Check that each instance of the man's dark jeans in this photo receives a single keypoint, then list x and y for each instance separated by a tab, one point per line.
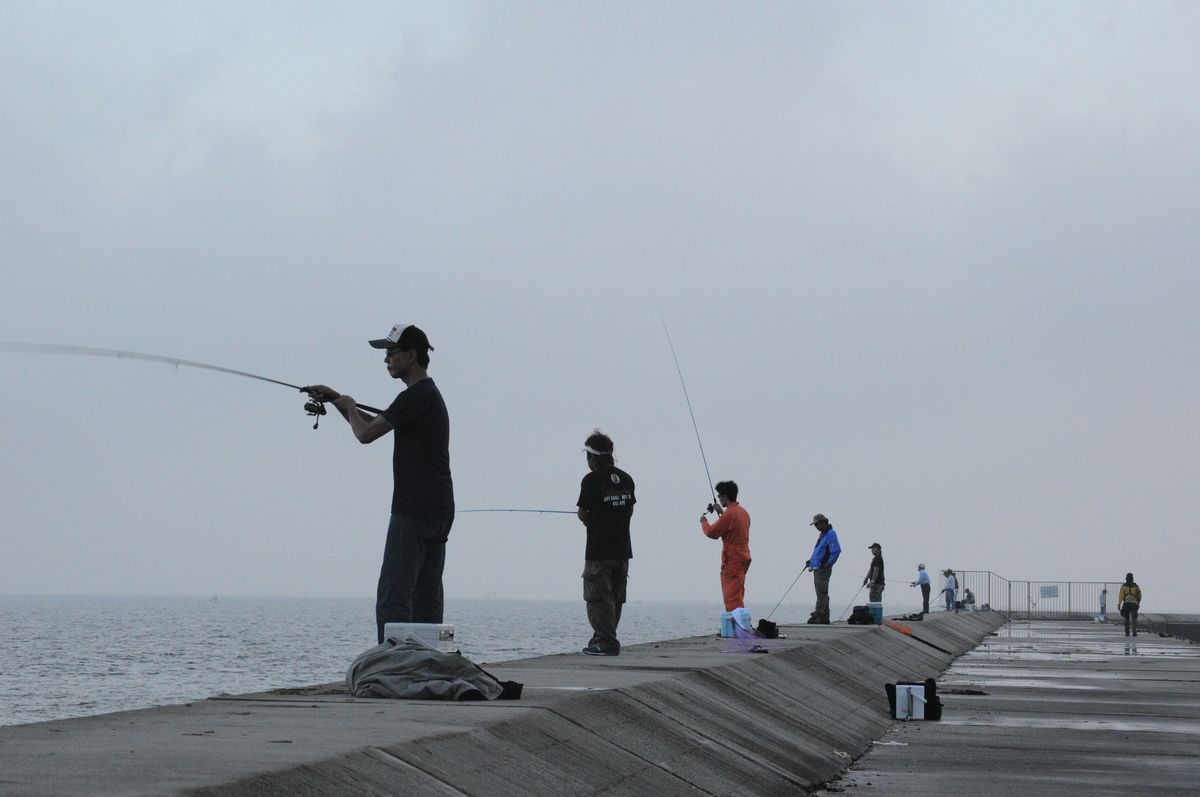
604	590
410	581
1130	612
821	577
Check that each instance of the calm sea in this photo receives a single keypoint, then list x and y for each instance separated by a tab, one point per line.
74	656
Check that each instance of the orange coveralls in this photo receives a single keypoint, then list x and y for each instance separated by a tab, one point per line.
733	529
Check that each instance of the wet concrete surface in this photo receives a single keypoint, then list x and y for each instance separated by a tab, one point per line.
1050	707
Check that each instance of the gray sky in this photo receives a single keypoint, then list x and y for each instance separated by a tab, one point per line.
930	269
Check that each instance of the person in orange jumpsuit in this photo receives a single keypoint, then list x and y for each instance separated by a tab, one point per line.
733	530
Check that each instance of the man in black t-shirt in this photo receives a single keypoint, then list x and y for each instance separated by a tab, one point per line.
410	580
605	504
874	575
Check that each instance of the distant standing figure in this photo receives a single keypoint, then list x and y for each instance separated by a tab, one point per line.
951	590
1129	600
733	530
824	555
606	499
874	575
410	580
922	582
1103	616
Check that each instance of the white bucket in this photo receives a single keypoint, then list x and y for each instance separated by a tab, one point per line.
435	635
727	624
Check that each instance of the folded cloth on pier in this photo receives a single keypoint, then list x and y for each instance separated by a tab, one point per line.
409	669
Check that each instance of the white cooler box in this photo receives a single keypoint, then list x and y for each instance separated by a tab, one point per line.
910	701
436	635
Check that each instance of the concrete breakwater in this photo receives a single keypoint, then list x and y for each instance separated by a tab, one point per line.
1183	626
687	716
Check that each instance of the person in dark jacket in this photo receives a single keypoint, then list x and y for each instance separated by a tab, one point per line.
874	575
605	505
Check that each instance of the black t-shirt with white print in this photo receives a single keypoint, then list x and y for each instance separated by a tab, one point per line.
607	494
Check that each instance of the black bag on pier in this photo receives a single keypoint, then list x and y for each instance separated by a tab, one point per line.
860	615
768	629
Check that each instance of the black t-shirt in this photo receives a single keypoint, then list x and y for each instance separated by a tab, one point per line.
877	566
607	494
421	456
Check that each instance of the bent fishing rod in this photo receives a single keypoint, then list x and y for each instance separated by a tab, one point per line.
715	506
312	406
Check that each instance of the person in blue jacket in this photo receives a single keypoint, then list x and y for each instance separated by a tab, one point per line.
825	554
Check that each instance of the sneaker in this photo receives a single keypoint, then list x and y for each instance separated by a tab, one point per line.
596	650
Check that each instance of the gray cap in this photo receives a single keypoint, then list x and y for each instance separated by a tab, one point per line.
818	518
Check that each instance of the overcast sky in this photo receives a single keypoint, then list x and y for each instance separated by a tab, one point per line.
929	268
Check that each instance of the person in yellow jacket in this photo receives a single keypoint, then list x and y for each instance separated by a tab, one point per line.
1129	599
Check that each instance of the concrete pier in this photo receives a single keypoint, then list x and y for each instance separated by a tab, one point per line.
689	716
1053	707
1033	707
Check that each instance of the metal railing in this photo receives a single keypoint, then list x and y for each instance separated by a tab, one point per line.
1036	599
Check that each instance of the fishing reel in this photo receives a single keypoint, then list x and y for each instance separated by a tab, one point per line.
316	409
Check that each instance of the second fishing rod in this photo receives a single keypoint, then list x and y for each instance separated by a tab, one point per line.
731	586
715	506
732	527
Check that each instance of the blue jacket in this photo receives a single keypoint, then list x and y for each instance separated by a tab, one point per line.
826	551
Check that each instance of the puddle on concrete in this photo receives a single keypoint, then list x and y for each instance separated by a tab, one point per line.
1029	683
1056	723
1084	650
1002	672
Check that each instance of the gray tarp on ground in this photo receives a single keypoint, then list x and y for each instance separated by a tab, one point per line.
409	669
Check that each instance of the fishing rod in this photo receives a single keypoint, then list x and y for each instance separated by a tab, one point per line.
860	589
312	406
789	589
715	506
538	511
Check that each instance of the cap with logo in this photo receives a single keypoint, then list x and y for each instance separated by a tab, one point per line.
405	337
819	519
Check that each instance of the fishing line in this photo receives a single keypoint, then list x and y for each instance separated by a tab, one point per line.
312	407
687	398
538	511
